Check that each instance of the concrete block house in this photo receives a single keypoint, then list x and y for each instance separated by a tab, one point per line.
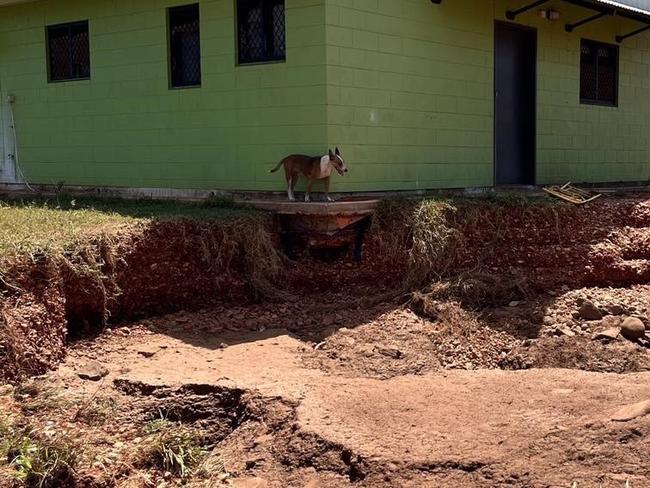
418	94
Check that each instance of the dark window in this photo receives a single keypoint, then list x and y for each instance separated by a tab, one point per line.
68	49
260	31
184	46
598	73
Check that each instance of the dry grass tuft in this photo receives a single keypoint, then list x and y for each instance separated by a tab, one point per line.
478	289
419	234
450	316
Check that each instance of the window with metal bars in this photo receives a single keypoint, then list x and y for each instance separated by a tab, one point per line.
184	46
68	48
260	31
598	73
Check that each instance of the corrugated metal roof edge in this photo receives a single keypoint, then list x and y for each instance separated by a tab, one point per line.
625	6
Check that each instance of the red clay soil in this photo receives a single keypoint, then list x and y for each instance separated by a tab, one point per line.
137	271
606	243
181	265
32	319
334	387
270	421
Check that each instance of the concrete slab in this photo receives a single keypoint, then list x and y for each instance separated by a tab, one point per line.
342	207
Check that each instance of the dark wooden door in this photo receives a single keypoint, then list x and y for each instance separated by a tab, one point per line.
515	59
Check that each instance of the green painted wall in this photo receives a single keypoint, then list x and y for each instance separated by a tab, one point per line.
403	87
410	95
125	127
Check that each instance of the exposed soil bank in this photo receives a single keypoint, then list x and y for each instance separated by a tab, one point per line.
135	271
138	271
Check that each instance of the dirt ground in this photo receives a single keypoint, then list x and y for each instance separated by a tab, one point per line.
330	388
381	397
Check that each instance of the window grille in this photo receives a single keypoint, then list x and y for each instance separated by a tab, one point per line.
68	51
598	73
184	46
260	31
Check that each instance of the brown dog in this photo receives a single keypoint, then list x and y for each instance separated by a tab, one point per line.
314	168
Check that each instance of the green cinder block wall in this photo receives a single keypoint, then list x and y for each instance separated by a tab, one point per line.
403	87
125	127
410	95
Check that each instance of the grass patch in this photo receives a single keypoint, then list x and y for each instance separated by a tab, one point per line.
42	225
6	436
40	464
38	396
173	447
96	411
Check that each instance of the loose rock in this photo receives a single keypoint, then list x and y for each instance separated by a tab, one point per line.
615	309
93	371
589	311
610	334
632	328
631	412
147	352
391	352
564	330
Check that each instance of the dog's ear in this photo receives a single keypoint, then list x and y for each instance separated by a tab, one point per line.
331	154
338	153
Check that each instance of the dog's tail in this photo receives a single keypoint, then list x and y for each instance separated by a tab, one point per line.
277	167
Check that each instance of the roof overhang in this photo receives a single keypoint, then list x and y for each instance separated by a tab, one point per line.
638	10
641	7
632	9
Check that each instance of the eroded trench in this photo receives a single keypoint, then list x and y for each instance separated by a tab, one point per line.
545	260
524	286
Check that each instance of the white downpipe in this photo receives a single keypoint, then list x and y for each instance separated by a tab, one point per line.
10	101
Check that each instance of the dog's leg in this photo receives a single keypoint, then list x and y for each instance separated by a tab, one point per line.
294	181
290	188
310	182
327	190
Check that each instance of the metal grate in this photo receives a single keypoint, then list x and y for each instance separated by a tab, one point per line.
598	73
69	51
185	46
261	31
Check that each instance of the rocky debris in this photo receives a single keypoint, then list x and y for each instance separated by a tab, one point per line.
633	328
6	390
92	370
631	412
610	334
589	311
400	342
564	330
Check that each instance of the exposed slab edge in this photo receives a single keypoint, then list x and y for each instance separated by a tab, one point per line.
344	207
240	196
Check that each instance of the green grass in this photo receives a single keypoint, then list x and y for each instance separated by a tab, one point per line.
44	464
173	447
28	226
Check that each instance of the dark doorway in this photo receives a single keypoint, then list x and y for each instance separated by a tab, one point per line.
515	59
